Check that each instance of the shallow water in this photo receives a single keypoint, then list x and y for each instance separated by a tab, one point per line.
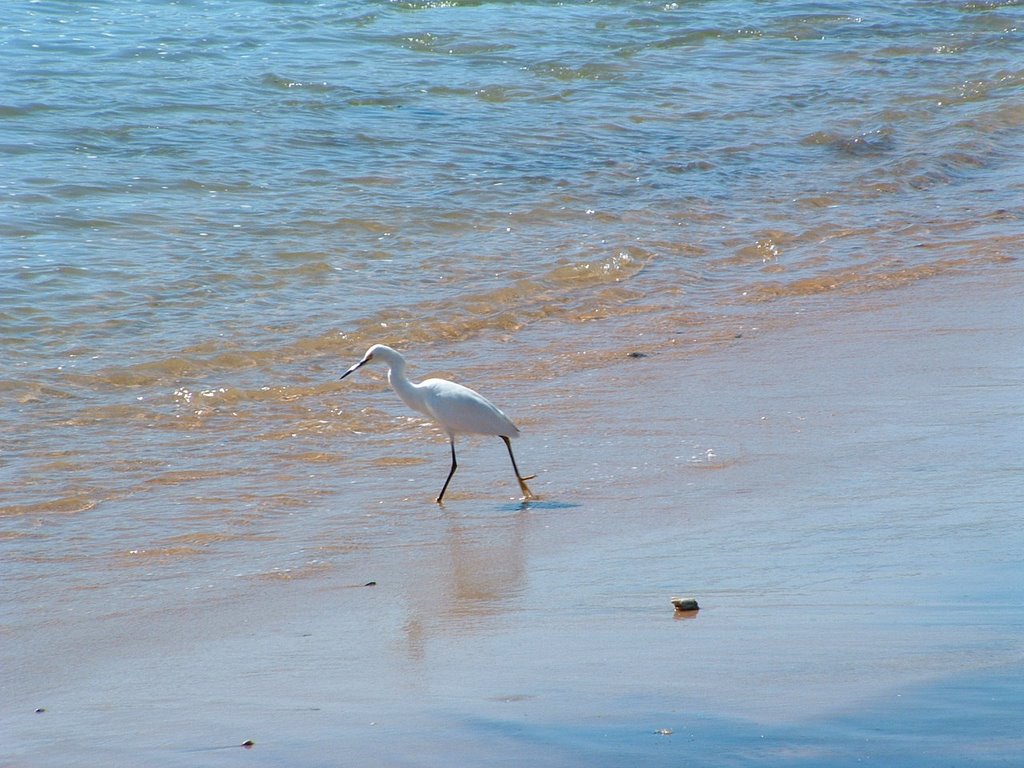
841	495
210	210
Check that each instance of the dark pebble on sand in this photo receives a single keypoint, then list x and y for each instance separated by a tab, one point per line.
685	604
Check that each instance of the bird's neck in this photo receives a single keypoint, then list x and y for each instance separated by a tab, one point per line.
404	388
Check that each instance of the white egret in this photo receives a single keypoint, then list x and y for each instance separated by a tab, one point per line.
457	409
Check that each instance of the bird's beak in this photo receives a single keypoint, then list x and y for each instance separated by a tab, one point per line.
356	367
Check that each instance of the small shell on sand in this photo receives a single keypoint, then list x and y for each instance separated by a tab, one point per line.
685	604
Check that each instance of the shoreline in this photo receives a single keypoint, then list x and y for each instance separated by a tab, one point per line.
840	496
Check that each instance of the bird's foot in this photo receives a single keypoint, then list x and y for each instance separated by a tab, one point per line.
527	493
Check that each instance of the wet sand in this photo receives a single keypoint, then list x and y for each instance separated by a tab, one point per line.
842	493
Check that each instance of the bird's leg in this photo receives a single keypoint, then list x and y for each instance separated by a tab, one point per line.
455	466
522	480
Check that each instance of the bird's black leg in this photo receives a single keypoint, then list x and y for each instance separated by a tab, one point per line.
522	480
455	466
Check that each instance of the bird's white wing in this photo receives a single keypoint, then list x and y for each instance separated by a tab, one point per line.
460	410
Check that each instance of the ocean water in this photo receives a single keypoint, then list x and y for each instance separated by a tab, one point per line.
209	210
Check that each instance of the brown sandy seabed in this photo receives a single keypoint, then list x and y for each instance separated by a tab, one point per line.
842	495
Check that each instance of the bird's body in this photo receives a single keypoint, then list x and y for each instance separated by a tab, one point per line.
457	409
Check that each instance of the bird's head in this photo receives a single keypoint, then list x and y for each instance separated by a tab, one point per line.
377	353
